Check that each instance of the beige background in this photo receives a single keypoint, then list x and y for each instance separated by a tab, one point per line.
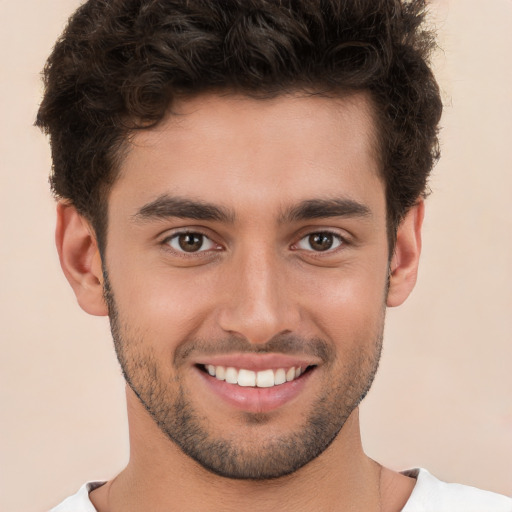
442	399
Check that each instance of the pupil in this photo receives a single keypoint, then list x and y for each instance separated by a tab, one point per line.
321	241
190	242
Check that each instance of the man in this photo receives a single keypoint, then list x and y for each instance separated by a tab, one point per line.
241	188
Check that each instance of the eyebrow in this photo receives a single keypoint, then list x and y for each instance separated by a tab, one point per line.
167	206
325	208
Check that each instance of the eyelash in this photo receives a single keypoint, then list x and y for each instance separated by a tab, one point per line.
175	237
340	240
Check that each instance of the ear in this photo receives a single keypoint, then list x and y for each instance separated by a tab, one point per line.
403	269
80	259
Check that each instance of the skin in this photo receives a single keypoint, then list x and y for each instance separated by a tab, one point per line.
258	280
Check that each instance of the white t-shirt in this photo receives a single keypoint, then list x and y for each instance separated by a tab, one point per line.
429	495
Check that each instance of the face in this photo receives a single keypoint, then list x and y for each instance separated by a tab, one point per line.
246	271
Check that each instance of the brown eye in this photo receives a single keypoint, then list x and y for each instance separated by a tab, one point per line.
190	242
320	242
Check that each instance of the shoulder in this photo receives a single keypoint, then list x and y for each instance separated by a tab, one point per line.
433	495
80	501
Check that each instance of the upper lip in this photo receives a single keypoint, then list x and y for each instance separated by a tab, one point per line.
258	362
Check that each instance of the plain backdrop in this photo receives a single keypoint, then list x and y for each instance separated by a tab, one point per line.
442	399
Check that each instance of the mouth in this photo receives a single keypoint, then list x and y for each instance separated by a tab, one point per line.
266	378
255	384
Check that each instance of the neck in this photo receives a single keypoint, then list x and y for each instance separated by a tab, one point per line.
160	477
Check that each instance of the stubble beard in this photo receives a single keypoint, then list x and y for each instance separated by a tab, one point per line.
172	410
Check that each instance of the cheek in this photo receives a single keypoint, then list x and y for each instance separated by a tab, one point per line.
164	307
348	304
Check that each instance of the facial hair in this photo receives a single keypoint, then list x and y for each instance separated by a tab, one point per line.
168	402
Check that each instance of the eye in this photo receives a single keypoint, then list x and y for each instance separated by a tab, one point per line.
320	242
190	242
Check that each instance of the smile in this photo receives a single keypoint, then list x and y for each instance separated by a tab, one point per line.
260	379
256	383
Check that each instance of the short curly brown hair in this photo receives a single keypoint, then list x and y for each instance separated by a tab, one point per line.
119	65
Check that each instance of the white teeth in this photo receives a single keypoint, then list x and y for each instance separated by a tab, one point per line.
248	378
231	375
264	379
280	377
220	372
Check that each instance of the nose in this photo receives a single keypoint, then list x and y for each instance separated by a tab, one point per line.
260	302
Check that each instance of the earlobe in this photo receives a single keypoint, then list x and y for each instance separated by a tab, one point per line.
80	258
404	263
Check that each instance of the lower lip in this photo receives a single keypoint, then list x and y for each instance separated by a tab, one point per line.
252	399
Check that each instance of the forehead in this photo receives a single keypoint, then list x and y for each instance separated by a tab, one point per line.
237	150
